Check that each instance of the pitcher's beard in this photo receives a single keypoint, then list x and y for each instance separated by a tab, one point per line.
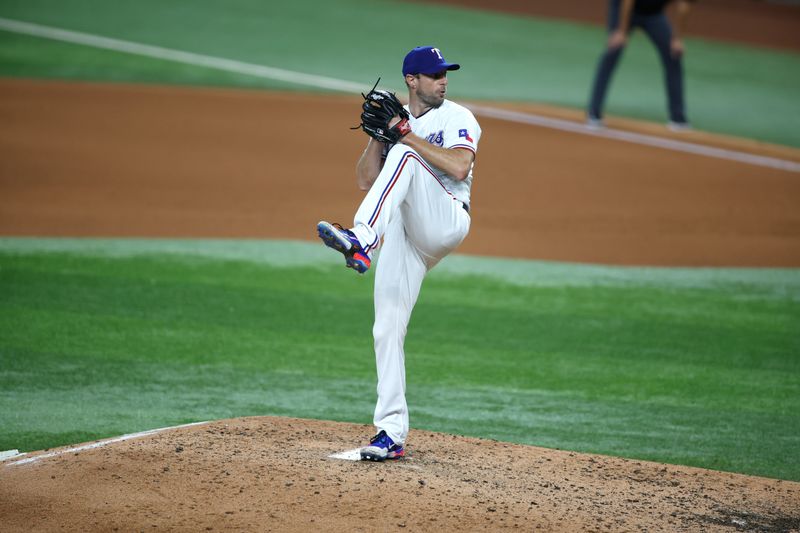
431	100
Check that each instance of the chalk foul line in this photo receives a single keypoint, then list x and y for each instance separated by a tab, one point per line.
637	138
179	56
324	82
93	445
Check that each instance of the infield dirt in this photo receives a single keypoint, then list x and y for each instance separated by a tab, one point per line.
84	159
275	474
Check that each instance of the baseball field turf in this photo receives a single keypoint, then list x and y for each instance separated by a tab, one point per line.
690	366
687	366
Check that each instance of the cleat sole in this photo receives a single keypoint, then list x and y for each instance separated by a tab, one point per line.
354	258
331	240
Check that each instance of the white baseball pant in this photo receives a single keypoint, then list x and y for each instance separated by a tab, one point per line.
420	222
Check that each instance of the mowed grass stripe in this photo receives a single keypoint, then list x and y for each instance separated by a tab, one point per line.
553	61
783	282
104	337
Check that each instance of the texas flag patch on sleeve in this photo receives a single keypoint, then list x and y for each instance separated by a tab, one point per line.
464	133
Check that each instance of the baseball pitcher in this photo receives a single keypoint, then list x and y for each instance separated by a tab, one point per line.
417	171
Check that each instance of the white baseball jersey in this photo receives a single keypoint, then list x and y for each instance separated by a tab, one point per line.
450	126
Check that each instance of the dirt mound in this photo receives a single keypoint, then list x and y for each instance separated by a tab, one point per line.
276	474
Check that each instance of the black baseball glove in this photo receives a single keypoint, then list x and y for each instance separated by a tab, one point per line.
379	109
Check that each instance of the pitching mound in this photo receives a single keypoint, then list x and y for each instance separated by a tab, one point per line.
276	474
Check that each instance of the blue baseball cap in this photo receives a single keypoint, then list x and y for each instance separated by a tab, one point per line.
426	60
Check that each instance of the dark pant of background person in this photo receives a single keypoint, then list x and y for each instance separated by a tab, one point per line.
659	31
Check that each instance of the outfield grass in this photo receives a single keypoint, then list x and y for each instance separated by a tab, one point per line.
696	367
738	90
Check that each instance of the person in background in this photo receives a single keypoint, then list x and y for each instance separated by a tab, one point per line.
650	16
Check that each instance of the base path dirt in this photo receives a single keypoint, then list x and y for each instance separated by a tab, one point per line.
275	474
120	160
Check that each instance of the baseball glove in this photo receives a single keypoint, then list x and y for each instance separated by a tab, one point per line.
379	110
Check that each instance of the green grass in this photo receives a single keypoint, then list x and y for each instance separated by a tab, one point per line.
23	56
731	89
696	367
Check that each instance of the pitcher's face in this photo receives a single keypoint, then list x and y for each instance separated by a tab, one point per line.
430	89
